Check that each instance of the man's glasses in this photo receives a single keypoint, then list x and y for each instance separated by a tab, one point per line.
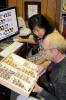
48	49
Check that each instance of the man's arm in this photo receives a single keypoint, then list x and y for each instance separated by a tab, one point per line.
60	92
41	60
43	67
46	95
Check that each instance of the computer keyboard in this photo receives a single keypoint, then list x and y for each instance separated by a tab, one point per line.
8	41
11	48
3	45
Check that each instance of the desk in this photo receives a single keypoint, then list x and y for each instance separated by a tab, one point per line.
5	92
15	52
1	56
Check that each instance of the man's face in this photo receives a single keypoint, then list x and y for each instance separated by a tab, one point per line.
48	51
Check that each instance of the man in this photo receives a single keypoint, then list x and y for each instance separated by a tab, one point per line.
54	50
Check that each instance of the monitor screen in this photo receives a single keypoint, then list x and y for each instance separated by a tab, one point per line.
8	23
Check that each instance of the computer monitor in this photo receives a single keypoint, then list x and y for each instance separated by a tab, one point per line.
8	23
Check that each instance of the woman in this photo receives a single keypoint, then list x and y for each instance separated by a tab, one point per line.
40	27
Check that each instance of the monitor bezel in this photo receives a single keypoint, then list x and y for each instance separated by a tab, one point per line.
4	9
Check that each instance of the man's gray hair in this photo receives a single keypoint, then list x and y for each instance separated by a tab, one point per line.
56	40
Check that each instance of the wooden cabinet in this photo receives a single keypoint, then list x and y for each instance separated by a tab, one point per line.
18	4
49	8
63	18
52	9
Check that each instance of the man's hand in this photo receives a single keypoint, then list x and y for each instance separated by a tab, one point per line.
37	89
43	67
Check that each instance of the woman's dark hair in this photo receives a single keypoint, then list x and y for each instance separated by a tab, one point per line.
42	22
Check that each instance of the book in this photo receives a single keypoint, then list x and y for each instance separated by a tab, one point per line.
18	74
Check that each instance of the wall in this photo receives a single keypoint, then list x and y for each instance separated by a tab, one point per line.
49	8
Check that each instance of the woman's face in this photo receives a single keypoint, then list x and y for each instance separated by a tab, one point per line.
39	31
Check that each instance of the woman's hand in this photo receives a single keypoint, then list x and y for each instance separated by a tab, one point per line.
19	39
37	89
24	40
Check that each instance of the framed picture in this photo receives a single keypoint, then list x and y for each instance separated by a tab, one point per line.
32	8
64	5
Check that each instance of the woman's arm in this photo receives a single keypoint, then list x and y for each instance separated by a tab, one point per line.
28	40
